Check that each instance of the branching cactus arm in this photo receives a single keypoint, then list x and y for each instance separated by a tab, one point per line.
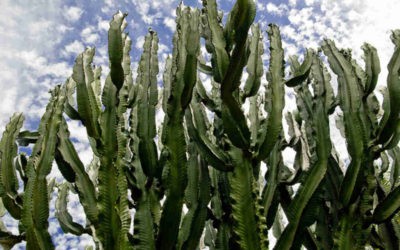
235	125
148	97
275	76
350	102
35	211
183	76
8	175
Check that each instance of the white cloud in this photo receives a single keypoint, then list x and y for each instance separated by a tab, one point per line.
292	3
80	141
276	9
89	35
103	25
40	65
349	23
139	42
170	23
73	13
73	48
162	48
108	6
309	2
27	51
151	11
63	28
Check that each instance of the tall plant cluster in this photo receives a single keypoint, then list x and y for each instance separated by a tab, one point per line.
197	179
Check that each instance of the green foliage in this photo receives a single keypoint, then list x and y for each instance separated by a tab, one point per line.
198	179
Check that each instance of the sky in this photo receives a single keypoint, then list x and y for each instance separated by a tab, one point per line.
39	40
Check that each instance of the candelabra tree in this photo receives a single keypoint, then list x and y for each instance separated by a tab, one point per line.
213	174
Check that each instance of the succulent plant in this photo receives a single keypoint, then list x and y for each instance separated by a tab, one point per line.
197	179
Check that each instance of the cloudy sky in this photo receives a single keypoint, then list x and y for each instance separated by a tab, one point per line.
39	40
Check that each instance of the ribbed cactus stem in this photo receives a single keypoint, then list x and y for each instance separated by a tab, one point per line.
183	77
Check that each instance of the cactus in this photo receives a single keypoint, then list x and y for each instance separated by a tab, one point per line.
197	179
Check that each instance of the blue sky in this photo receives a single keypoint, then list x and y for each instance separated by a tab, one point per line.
39	40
